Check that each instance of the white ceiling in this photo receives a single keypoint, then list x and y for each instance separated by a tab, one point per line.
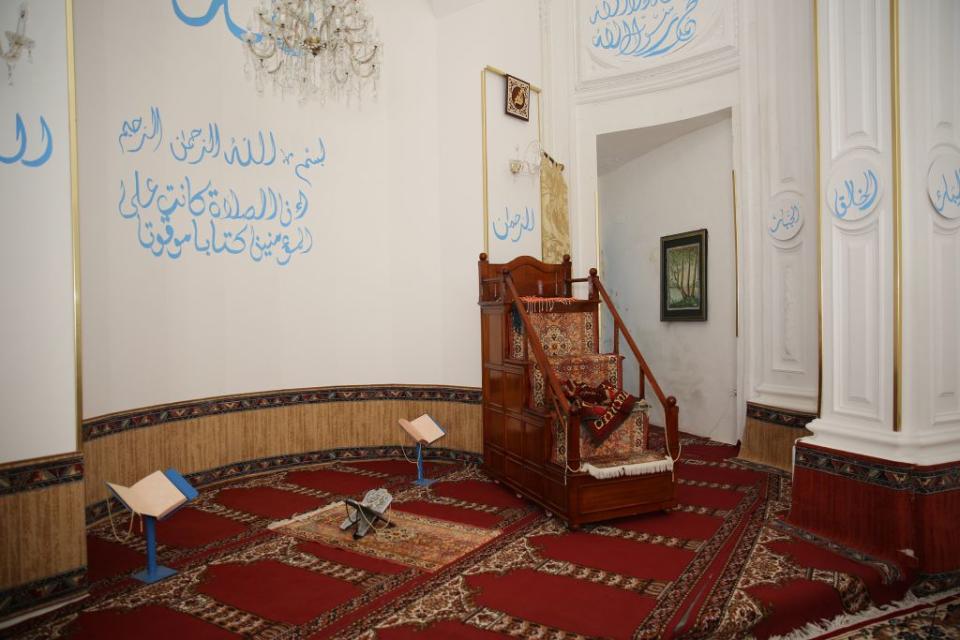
620	147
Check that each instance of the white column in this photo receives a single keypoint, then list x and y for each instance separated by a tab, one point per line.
930	134
858	230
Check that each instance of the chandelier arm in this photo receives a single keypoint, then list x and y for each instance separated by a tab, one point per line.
315	46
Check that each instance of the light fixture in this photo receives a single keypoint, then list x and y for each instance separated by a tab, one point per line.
314	47
529	164
18	43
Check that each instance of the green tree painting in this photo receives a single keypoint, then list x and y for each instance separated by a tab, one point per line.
683	277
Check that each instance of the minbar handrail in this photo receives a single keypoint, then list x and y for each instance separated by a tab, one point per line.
670	409
537	346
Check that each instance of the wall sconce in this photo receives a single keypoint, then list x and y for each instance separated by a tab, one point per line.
19	42
529	163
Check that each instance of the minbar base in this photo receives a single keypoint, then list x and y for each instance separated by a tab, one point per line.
880	506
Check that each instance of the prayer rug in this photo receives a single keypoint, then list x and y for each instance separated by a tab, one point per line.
413	540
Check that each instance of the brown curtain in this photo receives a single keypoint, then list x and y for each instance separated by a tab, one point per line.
556	218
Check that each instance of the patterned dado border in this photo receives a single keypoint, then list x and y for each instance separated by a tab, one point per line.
32	595
782	417
98	510
880	473
30	475
151	416
930	583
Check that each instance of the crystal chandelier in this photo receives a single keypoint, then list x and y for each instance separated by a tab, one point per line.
314	47
18	43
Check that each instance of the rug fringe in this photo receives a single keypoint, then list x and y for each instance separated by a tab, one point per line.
637	469
303	516
813	630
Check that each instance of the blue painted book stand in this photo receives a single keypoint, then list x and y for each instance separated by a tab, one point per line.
156	572
421	480
424	430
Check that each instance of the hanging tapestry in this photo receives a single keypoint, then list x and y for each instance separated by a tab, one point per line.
555	218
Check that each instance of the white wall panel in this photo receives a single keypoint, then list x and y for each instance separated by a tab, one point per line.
37	372
931	223
781	252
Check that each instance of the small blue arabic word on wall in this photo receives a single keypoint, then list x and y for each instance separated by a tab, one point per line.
858	196
511	226
40	153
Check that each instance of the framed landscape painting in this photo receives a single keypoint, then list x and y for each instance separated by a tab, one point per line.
683	276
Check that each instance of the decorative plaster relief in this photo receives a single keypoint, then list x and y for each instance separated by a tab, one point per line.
943	185
624	37
643	28
785	218
854	189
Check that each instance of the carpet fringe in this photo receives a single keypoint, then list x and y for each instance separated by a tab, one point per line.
303	516
637	469
813	630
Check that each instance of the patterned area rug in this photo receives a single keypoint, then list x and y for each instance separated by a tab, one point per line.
720	565
413	540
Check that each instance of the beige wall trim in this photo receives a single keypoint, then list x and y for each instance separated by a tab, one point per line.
42	545
199	437
98	510
119	422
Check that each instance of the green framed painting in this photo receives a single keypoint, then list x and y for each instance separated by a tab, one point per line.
683	276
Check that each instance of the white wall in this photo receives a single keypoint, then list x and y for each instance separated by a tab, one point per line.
502	34
388	292
680	186
37	379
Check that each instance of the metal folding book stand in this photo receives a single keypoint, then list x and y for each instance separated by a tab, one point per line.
365	515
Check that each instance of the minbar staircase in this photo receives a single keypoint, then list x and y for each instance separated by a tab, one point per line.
535	336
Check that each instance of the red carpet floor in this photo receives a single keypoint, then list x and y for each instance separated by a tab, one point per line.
720	565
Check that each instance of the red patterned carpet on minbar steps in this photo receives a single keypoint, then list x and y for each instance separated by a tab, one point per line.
720	565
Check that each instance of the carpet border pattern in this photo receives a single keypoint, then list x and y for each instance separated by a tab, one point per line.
31	475
98	510
114	423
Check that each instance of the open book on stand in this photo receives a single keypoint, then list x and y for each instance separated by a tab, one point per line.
423	430
157	495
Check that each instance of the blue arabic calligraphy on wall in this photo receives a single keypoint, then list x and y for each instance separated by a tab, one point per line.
785	221
513	225
860	197
212	11
20	150
643	28
210	218
947	195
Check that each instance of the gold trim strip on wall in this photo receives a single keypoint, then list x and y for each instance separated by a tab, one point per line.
483	132
736	260
818	208
483	142
596	231
897	213
74	220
